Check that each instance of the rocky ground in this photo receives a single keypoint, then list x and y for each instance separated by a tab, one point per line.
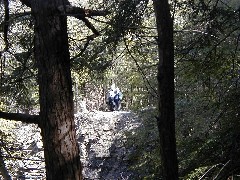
104	146
102	139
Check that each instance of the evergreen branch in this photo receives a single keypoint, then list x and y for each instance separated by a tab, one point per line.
141	71
21	14
120	55
26	118
125	27
101	21
89	38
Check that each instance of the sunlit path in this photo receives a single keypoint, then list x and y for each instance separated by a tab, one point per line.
102	142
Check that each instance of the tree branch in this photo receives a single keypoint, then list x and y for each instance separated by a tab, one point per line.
20	158
90	26
141	71
89	38
81	14
228	169
26	118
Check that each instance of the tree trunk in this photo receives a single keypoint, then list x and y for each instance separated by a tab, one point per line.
3	169
166	119
55	90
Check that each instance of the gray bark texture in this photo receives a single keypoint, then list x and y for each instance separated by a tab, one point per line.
55	90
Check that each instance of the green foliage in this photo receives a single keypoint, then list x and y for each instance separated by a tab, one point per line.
127	18
208	151
207	77
18	73
145	159
119	55
18	81
196	174
91	58
207	80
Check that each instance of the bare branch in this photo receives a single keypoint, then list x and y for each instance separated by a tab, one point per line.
210	170
81	14
20	158
26	118
228	169
90	26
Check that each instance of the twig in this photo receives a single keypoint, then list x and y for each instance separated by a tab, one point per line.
89	38
225	165
209	170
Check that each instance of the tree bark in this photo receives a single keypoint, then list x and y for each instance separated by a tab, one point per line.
55	90
165	77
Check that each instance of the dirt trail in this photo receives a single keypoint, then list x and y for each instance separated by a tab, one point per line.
102	140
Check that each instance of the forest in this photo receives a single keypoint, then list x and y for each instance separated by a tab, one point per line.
177	63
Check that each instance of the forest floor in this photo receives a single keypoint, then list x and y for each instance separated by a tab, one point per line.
109	143
103	143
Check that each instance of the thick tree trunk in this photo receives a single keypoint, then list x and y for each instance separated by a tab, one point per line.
55	90
166	119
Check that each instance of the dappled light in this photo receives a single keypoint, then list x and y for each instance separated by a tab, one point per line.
119	89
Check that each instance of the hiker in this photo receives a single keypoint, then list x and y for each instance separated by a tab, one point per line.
117	98
114	98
